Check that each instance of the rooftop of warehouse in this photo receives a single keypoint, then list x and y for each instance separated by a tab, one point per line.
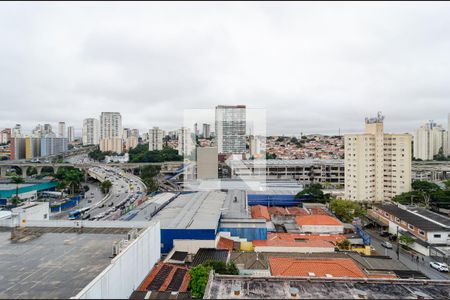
290	162
53	264
235	205
143	212
252	287
195	210
250	185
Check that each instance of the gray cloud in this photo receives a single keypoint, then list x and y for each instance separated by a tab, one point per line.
314	67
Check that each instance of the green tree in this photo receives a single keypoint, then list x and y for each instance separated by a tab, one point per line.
346	210
314	193
271	156
440	156
71	177
199	279
405	240
222	268
105	186
15	200
345	244
17	180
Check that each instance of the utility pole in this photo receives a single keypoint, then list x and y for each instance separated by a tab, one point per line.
398	245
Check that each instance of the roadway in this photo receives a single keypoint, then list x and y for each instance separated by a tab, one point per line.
126	190
405	258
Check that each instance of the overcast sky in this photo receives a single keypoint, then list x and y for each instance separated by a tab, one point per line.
313	67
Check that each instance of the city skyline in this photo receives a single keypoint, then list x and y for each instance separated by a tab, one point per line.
298	61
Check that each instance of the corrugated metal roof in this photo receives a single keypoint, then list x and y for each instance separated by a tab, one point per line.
199	210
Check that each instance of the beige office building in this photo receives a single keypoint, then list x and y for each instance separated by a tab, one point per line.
114	144
207	163
377	165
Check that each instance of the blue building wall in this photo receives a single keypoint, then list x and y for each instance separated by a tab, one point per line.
273	200
247	233
71	202
51	185
168	235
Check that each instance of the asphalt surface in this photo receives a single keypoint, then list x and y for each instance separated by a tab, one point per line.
124	192
405	258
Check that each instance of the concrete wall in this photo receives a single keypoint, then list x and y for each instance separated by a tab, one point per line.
88	224
323	228
293	249
35	211
127	270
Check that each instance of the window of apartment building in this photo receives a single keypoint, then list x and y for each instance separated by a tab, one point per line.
437	236
421	232
410	227
386	214
397	220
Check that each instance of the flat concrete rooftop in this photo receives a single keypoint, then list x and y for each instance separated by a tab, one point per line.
54	263
223	287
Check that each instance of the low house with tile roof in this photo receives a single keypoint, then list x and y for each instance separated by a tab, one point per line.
166	278
332	267
319	224
300	246
260	212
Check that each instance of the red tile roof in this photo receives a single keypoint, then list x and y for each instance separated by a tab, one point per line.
337	267
333	238
298	211
317	220
293	243
276	210
318	211
260	212
225	243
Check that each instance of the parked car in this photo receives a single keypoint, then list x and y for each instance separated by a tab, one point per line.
441	267
386	245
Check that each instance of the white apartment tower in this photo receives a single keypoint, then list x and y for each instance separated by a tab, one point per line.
428	140
91	131
186	142
110	125
377	165
71	134
231	128
155	139
62	129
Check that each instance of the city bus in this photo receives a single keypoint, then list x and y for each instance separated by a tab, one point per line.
77	214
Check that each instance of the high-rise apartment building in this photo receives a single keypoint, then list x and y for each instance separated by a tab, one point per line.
110	125
206	131
114	144
70	134
62	129
231	128
377	165
91	131
428	140
155	139
51	145
257	145
131	142
5	136
186	142
16	131
17	148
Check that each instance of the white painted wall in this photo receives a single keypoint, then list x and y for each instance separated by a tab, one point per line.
127	270
34	211
192	246
332	229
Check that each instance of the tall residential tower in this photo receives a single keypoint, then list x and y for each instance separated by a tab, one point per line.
377	165
231	128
